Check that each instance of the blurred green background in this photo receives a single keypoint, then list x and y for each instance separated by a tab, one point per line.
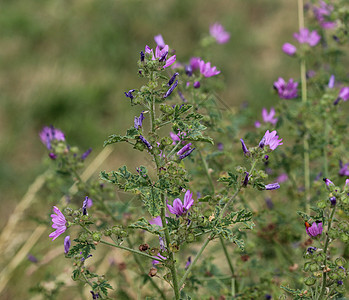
67	63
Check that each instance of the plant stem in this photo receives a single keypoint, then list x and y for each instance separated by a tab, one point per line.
235	286
121	247
325	149
174	149
139	263
206	172
325	251
171	264
304	101
195	260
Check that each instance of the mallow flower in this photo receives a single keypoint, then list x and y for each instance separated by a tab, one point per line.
66	244
49	133
59	223
304	36
161	55
289	49
178	208
159	41
207	70
286	90
219	33
270	139
269	117
313	230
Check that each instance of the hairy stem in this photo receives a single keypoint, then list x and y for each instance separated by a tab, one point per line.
324	274
234	283
204	163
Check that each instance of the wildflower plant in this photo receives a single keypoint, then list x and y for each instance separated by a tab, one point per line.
192	193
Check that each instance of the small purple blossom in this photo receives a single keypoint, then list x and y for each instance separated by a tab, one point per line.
178	208
315	229
186	153
142	138
184	149
245	182
196	84
142	56
333	201
289	49
172	79
175	138
207	70
282	178
220	146
344	93
52	155
188	70
157	259
86	153
170	90
48	134
269	117
139	121
161	54
219	33
340	282
66	244
188	262
269	203
331	82
94	295
311	250
323	12
270	139
84	206
257	124
156	221
32	258
181	96
159	41
328	182
304	36
129	94
59	223
244	148
272	186
343	171
286	90
195	63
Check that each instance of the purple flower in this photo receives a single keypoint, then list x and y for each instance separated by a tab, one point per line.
286	90
244	148
175	138
94	295
159	41
282	178
340	282
289	49
84	206
178	208
129	94
186	153
161	54
331	82
52	155
272	186
66	244
142	55
196	84
322	12
220	146
145	142
344	93
257	124
49	133
333	201
59	222
32	258
188	70
344	171
195	63
139	121
328	182
219	33
158	256
86	153
181	96
207	70
304	36
245	182
313	230
269	203
156	221
311	250
184	149
269	117
270	139
170	90
188	262
172	79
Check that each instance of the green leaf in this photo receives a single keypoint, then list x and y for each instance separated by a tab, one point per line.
143	223
116	138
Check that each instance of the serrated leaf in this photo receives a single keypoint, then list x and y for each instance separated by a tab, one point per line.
116	138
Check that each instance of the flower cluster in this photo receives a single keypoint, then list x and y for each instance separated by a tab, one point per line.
286	90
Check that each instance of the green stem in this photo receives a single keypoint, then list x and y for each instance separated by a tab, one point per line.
304	101
195	260
139	263
324	275
171	261
152	115
206	172
174	149
122	247
325	149
235	286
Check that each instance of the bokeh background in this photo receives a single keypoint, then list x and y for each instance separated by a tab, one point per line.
67	63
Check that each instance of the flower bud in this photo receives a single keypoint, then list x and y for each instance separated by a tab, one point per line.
96	236
309	281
